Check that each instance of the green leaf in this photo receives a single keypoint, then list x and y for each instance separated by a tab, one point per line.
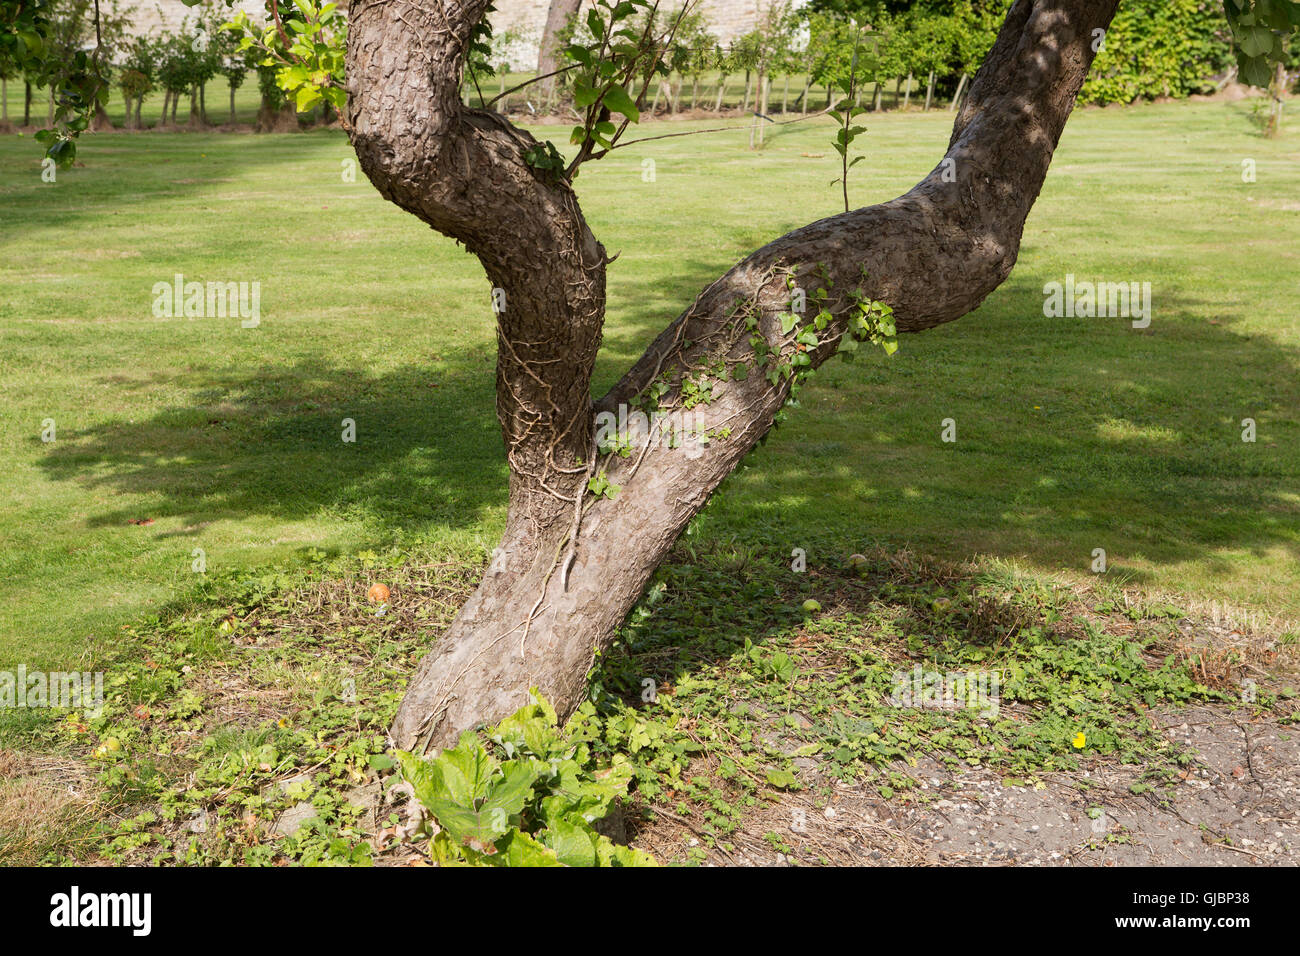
619	102
306	98
1256	41
520	849
573	845
579	54
1254	70
584	95
782	779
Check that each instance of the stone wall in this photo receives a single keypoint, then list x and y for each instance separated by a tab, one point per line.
524	20
167	16
521	20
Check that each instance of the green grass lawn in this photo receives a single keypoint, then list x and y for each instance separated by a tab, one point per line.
1073	434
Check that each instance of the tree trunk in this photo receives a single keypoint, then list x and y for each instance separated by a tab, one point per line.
722	91
4	101
956	97
49	113
232	106
139	102
929	91
876	99
571	565
907	97
803	97
760	111
548	52
27	104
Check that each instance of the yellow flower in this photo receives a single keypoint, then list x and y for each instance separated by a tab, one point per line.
1079	740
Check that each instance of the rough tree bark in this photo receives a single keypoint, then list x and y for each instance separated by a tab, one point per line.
564	578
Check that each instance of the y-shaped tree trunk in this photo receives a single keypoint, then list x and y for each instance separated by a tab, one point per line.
570	566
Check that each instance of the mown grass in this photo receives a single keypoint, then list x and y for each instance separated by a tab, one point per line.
1073	434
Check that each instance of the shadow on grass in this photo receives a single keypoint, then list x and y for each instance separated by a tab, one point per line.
1074	434
270	441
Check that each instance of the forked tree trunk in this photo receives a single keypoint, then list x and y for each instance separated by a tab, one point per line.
564	579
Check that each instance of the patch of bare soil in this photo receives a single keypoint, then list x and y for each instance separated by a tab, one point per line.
1236	804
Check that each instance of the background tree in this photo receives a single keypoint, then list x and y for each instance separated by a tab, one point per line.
8	71
700	51
74	66
974	28
175	73
1157	48
138	76
559	22
235	66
